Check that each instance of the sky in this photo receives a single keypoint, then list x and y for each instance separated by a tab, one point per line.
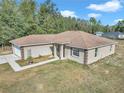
108	11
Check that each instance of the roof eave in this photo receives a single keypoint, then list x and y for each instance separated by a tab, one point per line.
27	45
86	48
100	46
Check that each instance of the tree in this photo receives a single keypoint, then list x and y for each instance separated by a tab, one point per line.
27	8
120	26
93	23
25	18
7	20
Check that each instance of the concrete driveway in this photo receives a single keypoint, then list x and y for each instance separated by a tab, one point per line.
11	58
2	60
6	58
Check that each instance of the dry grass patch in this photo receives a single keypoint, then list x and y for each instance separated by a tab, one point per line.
5	50
106	76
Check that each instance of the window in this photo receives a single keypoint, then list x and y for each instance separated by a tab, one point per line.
75	52
96	52
110	48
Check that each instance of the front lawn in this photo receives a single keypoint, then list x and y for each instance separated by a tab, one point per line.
105	76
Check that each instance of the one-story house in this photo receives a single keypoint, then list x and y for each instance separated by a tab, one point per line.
113	35
79	46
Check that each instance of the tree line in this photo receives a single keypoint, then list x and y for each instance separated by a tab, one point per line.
25	17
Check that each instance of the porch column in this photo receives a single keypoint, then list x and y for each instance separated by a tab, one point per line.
85	56
61	51
22	53
55	50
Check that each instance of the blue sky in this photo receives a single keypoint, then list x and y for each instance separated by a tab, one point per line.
108	11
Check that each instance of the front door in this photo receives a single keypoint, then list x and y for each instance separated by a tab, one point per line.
63	50
59	50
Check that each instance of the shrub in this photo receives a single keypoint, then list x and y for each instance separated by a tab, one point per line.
30	60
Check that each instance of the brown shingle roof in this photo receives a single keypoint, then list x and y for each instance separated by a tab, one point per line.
77	39
32	40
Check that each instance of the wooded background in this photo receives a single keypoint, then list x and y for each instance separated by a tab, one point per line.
26	17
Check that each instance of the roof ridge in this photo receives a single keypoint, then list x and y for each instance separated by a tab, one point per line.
76	38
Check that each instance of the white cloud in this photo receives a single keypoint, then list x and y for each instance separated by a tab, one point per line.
94	15
68	13
117	20
110	6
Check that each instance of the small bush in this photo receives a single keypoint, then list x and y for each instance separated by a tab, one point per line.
30	60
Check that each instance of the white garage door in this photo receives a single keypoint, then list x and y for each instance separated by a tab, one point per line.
17	51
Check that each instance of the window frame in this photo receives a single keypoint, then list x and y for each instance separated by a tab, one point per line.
75	52
96	52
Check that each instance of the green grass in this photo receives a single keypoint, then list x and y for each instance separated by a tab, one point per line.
105	76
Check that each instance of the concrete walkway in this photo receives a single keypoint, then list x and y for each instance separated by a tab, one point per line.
16	67
11	59
38	64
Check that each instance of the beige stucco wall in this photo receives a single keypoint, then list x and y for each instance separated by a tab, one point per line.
46	50
102	52
79	59
38	50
